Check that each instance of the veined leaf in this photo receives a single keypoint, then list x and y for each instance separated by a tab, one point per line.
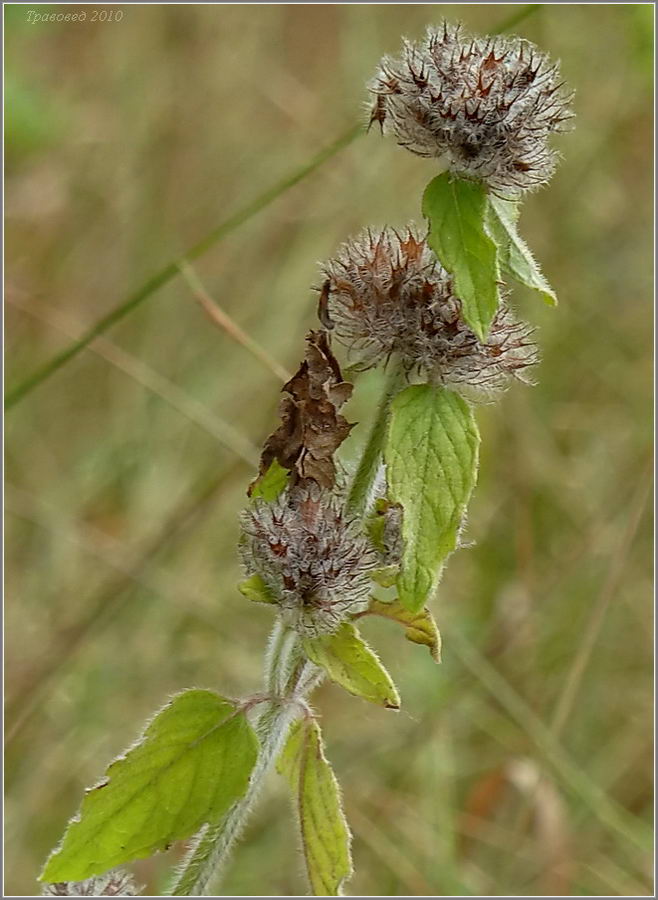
419	627
192	763
456	211
348	661
270	484
254	588
324	831
513	253
431	464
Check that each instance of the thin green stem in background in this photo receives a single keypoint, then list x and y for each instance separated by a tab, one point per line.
38	376
517	17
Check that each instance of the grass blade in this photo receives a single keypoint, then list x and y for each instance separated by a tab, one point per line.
165	275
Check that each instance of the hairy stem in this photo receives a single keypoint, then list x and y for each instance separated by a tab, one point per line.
371	459
208	857
287	680
279	661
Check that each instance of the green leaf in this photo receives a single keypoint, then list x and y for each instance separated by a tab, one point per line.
419	627
269	485
431	465
513	253
254	588
349	661
456	211
324	831
192	763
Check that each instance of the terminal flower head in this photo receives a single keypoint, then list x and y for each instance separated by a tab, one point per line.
485	106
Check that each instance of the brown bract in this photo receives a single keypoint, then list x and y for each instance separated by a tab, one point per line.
311	428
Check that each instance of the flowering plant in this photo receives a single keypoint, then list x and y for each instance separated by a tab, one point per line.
318	543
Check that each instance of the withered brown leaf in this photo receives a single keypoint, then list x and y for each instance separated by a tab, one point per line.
311	428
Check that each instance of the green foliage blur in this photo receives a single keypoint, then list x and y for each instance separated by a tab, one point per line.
125	472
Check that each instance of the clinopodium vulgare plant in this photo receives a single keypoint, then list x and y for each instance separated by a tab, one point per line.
427	304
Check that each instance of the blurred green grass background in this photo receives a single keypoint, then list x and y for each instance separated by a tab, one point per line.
126	470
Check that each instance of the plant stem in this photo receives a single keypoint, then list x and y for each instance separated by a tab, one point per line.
371	459
207	859
278	660
517	17
165	275
283	676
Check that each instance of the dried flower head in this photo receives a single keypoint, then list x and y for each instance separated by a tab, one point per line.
314	560
112	884
311	429
386	293
485	105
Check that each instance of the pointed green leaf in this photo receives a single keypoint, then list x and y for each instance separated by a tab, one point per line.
431	464
254	588
513	253
193	761
269	485
456	210
419	627
349	661
324	831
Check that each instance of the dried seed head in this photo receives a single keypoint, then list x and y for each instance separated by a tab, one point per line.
314	560
386	293
311	429
487	106
113	884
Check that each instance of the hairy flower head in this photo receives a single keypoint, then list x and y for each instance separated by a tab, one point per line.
112	884
386	294
315	561
487	106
